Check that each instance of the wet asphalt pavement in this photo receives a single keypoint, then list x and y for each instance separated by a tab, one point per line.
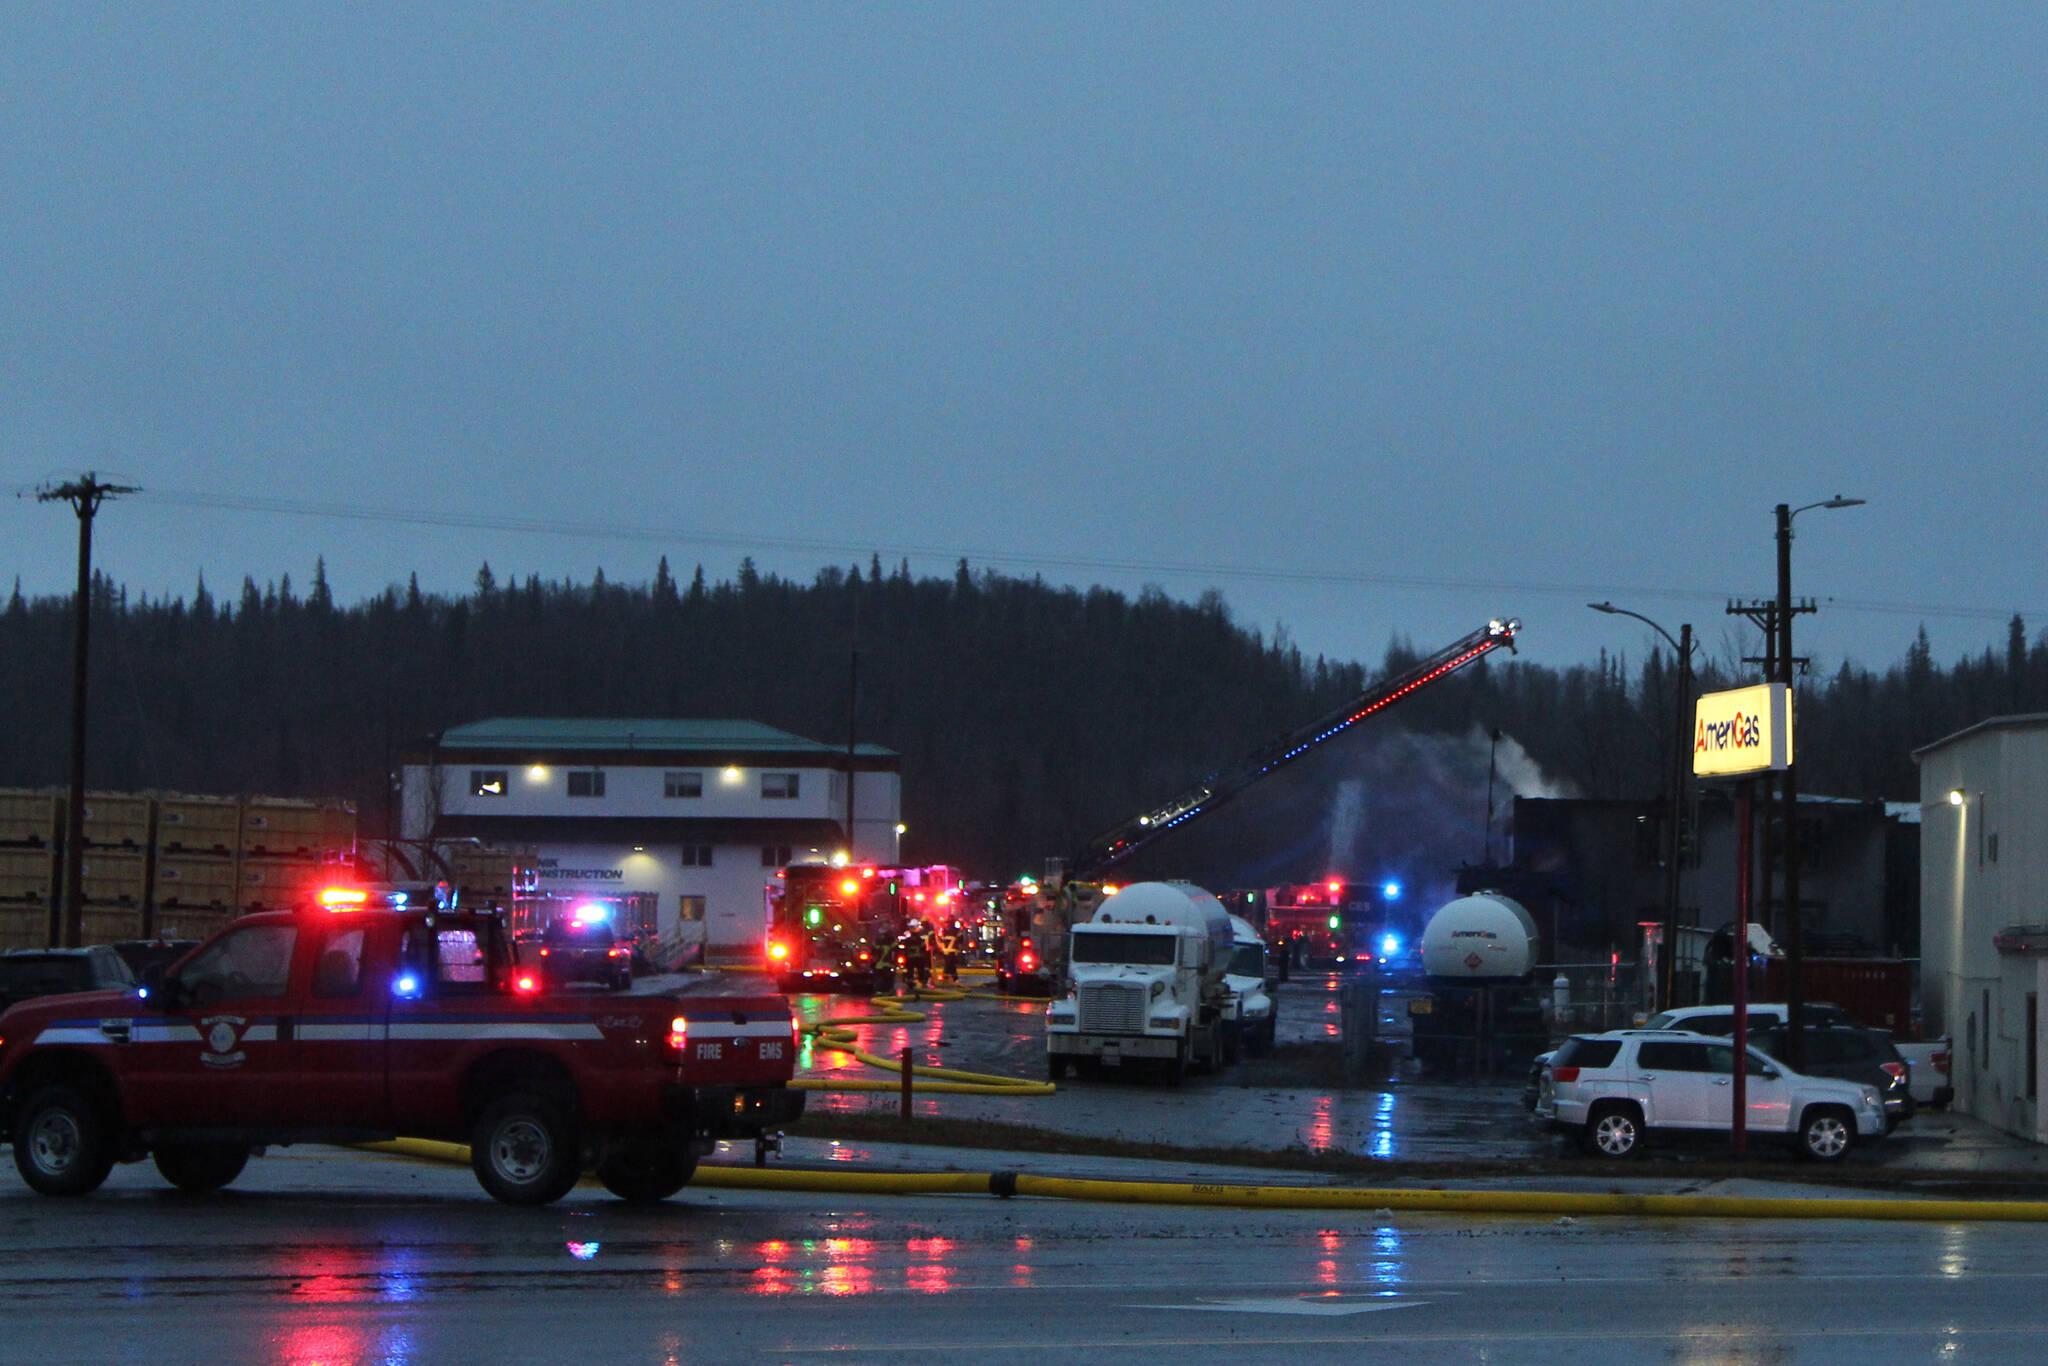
324	1258
1259	1103
321	1257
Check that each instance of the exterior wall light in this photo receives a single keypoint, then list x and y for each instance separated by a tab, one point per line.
731	774
1955	796
538	773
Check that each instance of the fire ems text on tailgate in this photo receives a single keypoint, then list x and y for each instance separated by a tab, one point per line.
356	1021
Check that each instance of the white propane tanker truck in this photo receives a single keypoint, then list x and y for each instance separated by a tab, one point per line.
1148	983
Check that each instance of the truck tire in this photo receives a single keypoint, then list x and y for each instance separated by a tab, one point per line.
1056	1066
1826	1133
1614	1129
200	1167
644	1170
524	1151
63	1142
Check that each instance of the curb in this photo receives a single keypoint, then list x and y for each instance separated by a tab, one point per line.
1005	1184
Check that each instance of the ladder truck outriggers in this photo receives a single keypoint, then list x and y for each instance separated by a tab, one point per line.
1045	918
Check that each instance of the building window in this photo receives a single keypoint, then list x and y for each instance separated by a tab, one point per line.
487	782
778	784
696	856
774	856
690	908
682	784
586	783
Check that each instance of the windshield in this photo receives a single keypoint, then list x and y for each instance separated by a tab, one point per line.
1111	946
1248	960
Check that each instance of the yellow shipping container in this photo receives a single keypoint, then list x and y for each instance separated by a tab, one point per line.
116	820
195	880
29	817
272	884
112	877
24	927
27	875
191	922
272	826
112	924
198	824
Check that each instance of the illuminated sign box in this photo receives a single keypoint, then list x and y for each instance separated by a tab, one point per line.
1742	731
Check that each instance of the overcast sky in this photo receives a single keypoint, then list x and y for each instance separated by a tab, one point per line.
1382	320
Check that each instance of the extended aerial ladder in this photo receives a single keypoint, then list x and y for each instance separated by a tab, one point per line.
1072	888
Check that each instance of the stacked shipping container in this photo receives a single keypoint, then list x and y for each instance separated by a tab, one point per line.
164	865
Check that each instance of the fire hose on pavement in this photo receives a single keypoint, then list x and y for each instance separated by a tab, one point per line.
839	1035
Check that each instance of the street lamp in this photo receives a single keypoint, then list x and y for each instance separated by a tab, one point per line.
1675	793
1795	995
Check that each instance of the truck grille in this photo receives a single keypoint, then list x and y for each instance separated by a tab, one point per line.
1112	1008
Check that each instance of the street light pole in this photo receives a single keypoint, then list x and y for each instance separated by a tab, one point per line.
85	496
1675	792
1795	989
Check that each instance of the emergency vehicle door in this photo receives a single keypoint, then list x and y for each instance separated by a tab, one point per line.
339	1056
217	1048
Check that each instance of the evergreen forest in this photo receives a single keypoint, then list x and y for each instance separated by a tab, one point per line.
1029	716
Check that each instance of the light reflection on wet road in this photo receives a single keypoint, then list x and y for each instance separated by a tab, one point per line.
1229	1109
320	1259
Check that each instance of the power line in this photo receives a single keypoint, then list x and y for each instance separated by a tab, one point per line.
750	542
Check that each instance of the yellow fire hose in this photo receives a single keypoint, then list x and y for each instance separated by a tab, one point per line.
1006	1184
837	1034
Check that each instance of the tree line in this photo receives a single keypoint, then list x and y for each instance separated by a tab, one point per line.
1029	716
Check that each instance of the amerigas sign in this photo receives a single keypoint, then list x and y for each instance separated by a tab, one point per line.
1743	730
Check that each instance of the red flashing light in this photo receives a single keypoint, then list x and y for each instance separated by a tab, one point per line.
678	1033
344	898
867	872
525	984
1027	961
778	950
849	887
1336	887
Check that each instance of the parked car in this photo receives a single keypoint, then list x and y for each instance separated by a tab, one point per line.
143	954
1720	1020
1615	1090
1853	1054
582	948
28	973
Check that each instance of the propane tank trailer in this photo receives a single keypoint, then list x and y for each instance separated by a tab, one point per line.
1485	937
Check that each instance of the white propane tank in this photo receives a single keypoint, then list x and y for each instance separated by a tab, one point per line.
1173	903
1485	937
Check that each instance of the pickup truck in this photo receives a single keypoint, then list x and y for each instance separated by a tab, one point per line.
357	1022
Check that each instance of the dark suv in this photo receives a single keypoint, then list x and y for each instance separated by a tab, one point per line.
1853	1054
28	973
583	949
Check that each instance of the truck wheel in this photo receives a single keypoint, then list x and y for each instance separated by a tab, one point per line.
1056	1066
1614	1130
1826	1134
200	1167
645	1171
63	1144
524	1151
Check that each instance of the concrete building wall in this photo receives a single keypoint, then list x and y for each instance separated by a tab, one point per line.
1984	870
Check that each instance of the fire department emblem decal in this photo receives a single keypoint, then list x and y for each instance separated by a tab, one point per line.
222	1037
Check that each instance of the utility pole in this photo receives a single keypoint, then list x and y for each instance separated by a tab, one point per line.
85	496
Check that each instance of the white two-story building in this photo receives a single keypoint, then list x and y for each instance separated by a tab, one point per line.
680	824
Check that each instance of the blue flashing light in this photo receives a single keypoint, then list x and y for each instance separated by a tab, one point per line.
593	914
142	993
406	985
398	899
1390	946
1391	890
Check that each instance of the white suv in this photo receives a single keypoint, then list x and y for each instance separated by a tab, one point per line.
1612	1089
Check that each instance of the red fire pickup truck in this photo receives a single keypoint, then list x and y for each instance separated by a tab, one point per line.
356	1022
